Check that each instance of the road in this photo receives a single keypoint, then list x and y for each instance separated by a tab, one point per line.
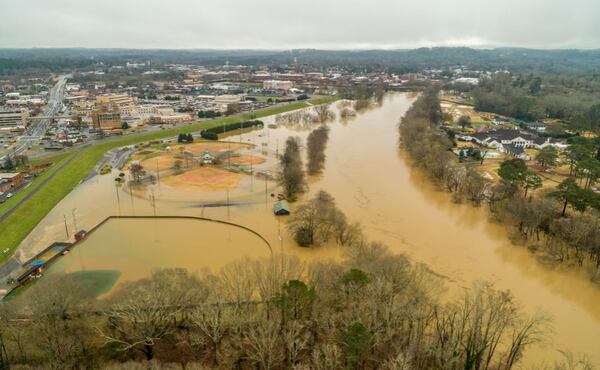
36	131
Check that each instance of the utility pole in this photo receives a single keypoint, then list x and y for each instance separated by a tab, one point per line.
280	240
158	173
251	169
118	198
131	197
228	211
266	191
241	129
153	201
66	228
74	219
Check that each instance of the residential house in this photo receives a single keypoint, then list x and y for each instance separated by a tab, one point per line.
502	139
537	126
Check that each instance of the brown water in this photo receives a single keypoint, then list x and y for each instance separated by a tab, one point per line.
372	183
136	247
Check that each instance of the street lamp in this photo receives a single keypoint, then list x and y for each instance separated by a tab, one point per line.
74	218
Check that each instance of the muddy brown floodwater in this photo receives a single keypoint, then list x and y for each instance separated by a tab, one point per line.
145	245
372	183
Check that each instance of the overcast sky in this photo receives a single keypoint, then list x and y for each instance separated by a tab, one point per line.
286	24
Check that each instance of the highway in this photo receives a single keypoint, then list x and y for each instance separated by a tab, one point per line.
37	129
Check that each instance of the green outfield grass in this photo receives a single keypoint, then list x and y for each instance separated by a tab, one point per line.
93	283
19	224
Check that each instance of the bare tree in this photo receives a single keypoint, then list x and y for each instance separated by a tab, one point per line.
323	112
212	318
327	356
144	312
137	171
315	148
263	346
292	177
316	221
56	305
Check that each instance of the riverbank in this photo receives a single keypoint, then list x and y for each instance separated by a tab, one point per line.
23	219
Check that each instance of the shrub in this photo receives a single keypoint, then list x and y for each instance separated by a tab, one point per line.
209	135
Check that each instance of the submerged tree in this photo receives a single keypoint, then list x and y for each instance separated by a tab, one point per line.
320	220
315	147
323	113
292	177
137	171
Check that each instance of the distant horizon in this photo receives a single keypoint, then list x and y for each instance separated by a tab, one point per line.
441	46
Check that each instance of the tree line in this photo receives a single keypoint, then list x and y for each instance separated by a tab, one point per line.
573	99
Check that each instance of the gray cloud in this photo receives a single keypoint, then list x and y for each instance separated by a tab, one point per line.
283	24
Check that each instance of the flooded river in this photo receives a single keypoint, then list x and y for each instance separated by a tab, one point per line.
372	183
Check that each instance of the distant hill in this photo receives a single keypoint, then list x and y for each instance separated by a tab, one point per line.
514	59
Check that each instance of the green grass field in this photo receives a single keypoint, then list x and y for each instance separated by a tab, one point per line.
94	283
19	224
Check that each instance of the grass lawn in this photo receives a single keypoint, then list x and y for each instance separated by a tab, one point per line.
49	159
19	224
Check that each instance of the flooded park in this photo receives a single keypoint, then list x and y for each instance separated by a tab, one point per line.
372	182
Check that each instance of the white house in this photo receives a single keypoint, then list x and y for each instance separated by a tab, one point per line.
503	138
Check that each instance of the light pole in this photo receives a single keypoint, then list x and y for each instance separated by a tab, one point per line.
228	210
131	197
118	198
153	200
66	228
74	219
251	160
280	240
158	172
